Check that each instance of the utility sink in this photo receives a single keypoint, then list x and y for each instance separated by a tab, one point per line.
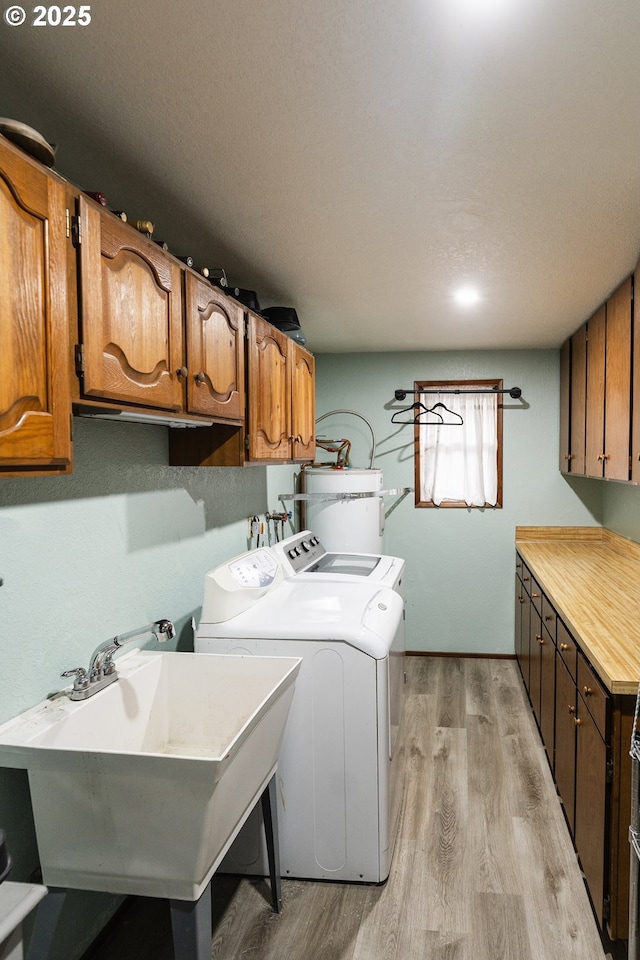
143	787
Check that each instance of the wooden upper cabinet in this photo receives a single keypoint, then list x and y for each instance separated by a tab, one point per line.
635	419
565	407
617	402
578	400
595	452
35	410
215	352
269	413
131	315
303	403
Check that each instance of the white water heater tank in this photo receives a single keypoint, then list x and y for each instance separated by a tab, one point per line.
349	525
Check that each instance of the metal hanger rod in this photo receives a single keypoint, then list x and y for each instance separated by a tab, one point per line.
514	392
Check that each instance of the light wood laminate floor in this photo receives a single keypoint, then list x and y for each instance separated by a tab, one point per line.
483	869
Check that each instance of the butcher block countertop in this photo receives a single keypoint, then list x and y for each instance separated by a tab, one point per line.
592	577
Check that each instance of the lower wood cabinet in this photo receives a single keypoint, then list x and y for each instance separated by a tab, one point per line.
586	732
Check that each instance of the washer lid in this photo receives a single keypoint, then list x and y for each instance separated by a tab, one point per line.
366	616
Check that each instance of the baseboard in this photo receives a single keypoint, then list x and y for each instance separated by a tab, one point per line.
462	656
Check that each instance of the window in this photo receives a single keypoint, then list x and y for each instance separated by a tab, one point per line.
458	462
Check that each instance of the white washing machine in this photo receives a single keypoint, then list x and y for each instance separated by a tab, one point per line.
340	771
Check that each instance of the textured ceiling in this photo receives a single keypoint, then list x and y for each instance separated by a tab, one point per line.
359	160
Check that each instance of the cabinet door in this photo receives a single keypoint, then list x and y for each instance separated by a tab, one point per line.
617	403
578	401
591	792
635	419
215	352
565	407
303	404
35	406
535	648
548	680
595	451
131	318
269	415
519	641
565	740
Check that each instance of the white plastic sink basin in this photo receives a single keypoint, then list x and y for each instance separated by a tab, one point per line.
143	787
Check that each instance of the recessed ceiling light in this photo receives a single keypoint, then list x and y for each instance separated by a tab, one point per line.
466	296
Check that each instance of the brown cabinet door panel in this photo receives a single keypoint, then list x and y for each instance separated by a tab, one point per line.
595	451
215	352
578	400
635	419
131	316
591	792
35	406
565	740
303	404
617	406
535	649
565	406
269	422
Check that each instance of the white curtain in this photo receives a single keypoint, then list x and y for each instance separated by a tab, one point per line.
460	462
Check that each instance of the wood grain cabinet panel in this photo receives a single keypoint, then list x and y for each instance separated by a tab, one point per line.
131	315
565	407
269	411
595	452
578	402
214	327
591	799
617	401
35	406
635	401
303	403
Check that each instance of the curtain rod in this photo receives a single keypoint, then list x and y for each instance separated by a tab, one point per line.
514	392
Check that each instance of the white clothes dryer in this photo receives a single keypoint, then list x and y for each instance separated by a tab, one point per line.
340	771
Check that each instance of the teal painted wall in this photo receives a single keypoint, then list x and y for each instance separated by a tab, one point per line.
123	541
460	563
621	509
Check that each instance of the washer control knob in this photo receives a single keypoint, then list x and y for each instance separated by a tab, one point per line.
382	606
305	546
293	552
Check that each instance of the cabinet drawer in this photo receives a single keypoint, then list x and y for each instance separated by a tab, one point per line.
549	618
525	576
593	695
567	648
536	595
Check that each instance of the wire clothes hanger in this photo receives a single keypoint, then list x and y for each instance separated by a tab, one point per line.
422	411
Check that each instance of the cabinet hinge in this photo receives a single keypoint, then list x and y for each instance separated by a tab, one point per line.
76	231
609	771
246	442
68	222
79	358
606	908
71	427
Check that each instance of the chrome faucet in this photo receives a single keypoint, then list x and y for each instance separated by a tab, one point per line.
102	669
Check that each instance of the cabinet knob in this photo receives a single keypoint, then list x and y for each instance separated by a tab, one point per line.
182	372
540	641
603	456
569	456
564	646
525	579
521	599
587	691
577	721
572	709
200	377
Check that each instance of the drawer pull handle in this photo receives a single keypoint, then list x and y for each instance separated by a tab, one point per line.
577	721
564	646
587	691
548	618
525	579
535	594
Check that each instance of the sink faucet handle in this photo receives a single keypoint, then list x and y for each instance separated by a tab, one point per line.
81	681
